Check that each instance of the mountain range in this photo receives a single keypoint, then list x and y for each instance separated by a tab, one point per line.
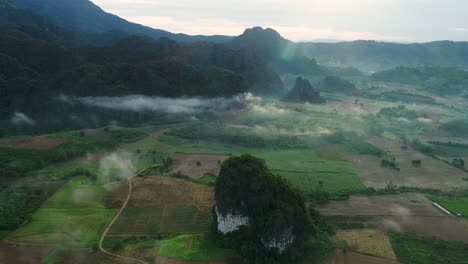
367	56
85	16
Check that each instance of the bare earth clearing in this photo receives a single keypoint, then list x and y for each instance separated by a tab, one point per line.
161	260
37	142
197	165
164	205
405	213
355	258
155	190
23	254
368	241
432	174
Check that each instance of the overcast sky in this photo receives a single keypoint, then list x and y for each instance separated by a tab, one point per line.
299	20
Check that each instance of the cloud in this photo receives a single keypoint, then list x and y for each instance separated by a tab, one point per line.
311	33
118	165
19	118
458	29
173	106
217	26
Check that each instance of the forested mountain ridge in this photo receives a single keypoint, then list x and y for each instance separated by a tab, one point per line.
41	60
375	56
84	15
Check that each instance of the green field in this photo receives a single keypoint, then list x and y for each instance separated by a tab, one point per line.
74	216
414	249
194	248
456	205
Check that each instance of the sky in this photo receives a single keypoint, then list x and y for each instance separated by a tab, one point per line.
304	20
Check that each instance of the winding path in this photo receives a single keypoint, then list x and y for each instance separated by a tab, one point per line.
104	234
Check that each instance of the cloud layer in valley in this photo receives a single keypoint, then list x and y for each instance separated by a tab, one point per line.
174	106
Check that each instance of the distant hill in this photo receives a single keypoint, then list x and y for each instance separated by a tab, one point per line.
85	16
445	81
282	54
374	56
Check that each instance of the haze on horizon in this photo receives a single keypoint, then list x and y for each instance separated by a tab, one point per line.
303	20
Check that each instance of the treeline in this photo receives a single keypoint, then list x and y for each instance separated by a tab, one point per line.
242	137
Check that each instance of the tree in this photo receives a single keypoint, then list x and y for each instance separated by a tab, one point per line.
459	163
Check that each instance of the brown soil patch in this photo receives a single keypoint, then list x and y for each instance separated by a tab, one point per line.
368	241
19	254
155	190
409	204
355	258
197	165
162	260
162	132
37	142
433	173
90	157
403	213
447	228
87	256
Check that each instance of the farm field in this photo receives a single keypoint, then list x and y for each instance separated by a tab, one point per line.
197	165
194	248
453	204
74	216
368	241
402	213
356	258
432	173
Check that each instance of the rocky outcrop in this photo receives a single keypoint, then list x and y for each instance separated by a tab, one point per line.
280	241
259	208
230	222
303	92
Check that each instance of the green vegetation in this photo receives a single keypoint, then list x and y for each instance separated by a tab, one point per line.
401	96
457	127
241	137
195	248
398	112
443	80
338	85
414	249
459	163
449	149
392	164
17	205
354	143
74	216
456	205
422	147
